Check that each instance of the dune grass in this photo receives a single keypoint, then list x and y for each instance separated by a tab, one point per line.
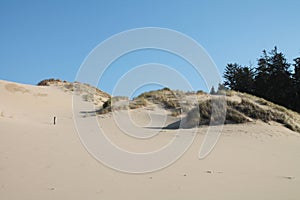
244	111
234	107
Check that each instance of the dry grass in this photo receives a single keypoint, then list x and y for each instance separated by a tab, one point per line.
138	103
234	107
86	91
214	112
164	97
121	103
240	112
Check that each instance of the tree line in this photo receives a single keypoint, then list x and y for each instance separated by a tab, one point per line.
274	79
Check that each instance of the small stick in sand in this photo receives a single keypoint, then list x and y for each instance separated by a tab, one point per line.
54	120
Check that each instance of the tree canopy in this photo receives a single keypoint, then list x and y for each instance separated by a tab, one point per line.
271	79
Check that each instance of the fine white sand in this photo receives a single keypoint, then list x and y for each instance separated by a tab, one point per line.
40	160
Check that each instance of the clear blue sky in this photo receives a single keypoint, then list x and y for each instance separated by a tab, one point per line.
45	39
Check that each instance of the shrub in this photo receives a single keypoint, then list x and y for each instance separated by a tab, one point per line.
107	104
47	82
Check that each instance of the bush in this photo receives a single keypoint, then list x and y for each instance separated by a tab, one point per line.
47	82
107	104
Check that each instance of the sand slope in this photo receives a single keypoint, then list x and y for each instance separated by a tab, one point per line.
41	161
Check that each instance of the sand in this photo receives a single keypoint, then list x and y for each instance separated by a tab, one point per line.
40	160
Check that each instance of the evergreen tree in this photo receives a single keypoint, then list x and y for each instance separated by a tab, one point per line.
262	73
221	87
212	91
230	75
273	78
296	83
245	79
239	78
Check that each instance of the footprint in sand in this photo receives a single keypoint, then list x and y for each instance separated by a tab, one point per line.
288	177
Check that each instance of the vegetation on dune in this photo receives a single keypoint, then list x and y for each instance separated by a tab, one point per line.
221	106
215	109
47	82
87	92
272	79
215	112
244	111
138	103
165	97
121	103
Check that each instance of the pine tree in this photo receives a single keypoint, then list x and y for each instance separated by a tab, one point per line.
212	91
245	79
273	78
230	75
296	83
221	87
261	79
239	78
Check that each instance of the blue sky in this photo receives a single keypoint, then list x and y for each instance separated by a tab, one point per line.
45	39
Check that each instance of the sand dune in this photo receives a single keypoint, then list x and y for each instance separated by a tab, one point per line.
40	160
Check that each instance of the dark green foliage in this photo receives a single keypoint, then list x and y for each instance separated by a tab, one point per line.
239	78
296	82
271	79
212	91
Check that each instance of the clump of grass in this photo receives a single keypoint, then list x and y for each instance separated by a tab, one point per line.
165	97
207	112
234	116
216	112
212	111
106	107
138	103
107	104
200	92
249	107
121	103
166	89
170	103
251	110
69	86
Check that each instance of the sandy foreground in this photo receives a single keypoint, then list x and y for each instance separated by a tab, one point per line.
39	160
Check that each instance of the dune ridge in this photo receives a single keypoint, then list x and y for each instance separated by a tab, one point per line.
234	107
40	160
